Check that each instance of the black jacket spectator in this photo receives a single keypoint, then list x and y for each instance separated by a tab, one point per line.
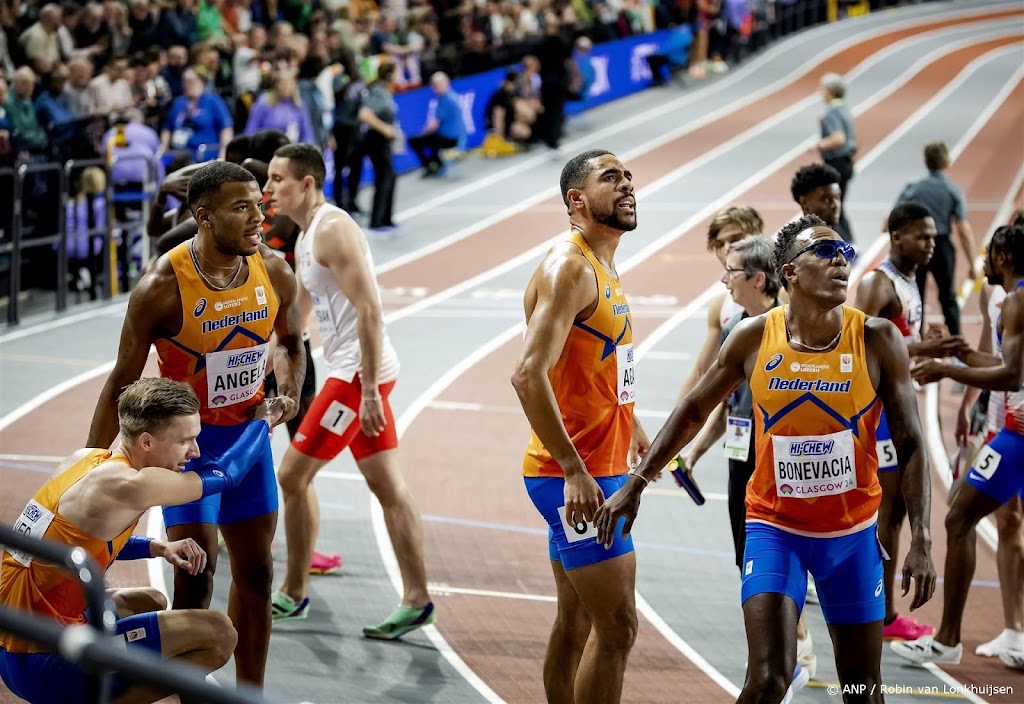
177	26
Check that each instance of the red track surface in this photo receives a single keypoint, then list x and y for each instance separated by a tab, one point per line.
467	463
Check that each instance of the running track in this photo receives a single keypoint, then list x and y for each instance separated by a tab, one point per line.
452	282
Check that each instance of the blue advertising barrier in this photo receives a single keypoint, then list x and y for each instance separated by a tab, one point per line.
620	69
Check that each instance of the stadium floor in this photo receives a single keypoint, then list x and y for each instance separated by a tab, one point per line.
452	280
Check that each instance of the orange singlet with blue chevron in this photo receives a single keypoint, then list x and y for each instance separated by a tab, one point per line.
223	347
594	384
815	417
38	587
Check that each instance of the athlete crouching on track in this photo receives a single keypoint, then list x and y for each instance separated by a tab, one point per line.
819	373
209	307
94	502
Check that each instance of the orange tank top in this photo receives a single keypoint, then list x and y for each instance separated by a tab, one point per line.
223	348
40	587
594	384
815	421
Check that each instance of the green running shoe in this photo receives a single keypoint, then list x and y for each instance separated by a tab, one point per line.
401	621
284	608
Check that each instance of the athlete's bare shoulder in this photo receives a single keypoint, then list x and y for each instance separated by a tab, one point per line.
566	279
157	295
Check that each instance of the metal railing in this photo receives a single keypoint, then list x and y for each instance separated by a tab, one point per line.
93	647
17	245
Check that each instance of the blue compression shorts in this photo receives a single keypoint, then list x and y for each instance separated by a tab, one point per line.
998	470
47	678
255	496
884	446
847	571
574	545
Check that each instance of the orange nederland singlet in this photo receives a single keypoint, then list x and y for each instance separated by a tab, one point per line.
815	417
594	384
223	346
27	584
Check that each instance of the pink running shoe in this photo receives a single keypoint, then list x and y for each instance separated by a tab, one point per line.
324	564
906	628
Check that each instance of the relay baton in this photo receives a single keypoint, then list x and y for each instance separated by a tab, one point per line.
685	479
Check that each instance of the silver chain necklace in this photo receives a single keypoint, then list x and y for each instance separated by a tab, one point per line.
205	277
789	334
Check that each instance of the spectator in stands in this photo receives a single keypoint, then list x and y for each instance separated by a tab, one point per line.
110	91
348	155
92	35
378	114
838	143
445	128
86	217
142	20
198	121
77	87
557	75
584	68
6	62
948	207
503	129
246	71
149	90
210	22
53	109
673	53
6	149
174	71
282	109
178	25
40	42
72	11
120	29
26	133
130	144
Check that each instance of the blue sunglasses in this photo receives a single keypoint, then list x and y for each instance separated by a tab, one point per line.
828	249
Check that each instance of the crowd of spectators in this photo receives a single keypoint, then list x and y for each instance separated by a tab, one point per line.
179	79
199	69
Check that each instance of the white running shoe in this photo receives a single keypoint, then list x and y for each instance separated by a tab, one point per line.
812	591
925	650
1009	639
1013	658
800	680
805	656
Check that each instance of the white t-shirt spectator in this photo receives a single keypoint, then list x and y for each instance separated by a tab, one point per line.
246	71
40	45
108	97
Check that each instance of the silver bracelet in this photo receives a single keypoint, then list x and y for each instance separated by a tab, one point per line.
642	478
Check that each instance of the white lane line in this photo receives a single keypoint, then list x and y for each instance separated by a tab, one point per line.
377	514
705	158
347	476
466	363
815	62
440	589
43	459
52	393
646	115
